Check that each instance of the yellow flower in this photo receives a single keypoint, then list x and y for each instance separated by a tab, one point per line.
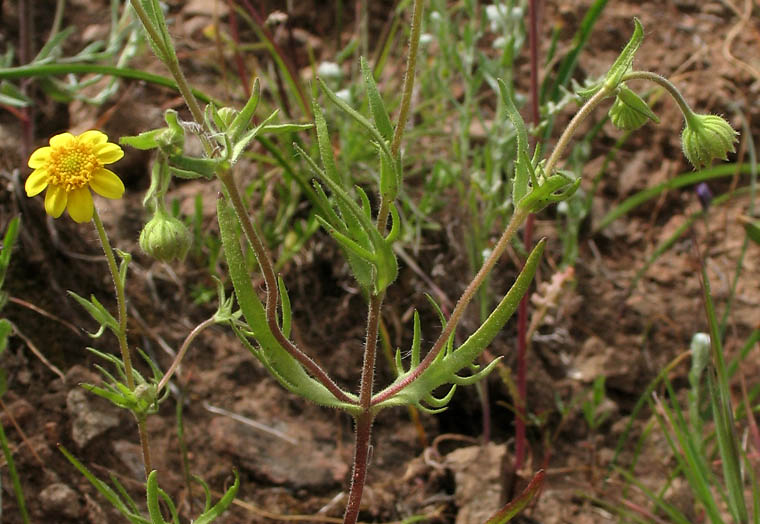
69	168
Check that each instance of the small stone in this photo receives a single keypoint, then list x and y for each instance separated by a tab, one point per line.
60	499
131	455
477	470
88	419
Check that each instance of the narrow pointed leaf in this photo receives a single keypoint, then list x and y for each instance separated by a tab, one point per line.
624	61
376	105
514	507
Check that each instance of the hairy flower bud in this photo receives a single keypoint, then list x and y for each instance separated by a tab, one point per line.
165	238
629	111
707	137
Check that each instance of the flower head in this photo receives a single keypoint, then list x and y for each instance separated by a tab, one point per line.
165	237
69	167
707	137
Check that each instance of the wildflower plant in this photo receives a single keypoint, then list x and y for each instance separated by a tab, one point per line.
71	165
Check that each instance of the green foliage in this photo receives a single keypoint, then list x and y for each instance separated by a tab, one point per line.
591	407
513	508
123	503
6	330
448	363
142	400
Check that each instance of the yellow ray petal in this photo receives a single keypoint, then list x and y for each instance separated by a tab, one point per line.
108	153
93	137
62	140
80	205
40	157
105	182
55	200
36	182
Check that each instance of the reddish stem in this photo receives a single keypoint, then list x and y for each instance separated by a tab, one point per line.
522	312
242	73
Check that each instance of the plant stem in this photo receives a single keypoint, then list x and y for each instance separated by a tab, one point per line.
667	85
518	217
181	354
572	127
250	230
522	311
359	475
169	59
121	302
121	336
364	419
411	65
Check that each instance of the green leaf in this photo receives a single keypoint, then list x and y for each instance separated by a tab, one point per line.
281	129
9	240
54	46
104	490
12	96
144	141
358	117
241	143
164	48
243	119
546	193
154	509
346	242
624	61
751	228
522	170
99	313
285	324
191	167
221	506
326	153
513	508
376	105
444	369
6	328
283	366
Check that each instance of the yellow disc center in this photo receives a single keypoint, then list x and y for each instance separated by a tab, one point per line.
72	166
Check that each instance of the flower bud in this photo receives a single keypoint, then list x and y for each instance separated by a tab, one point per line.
707	137
227	116
629	111
165	238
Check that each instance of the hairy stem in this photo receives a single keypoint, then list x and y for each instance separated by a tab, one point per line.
169	59
572	127
121	336
364	419
270	280
182	350
121	302
515	222
411	65
518	217
522	311
361	458
667	85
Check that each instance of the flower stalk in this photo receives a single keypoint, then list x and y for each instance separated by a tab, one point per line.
121	333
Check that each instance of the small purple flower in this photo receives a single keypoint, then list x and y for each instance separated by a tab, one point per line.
704	194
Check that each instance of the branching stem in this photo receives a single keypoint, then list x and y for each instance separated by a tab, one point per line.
252	234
